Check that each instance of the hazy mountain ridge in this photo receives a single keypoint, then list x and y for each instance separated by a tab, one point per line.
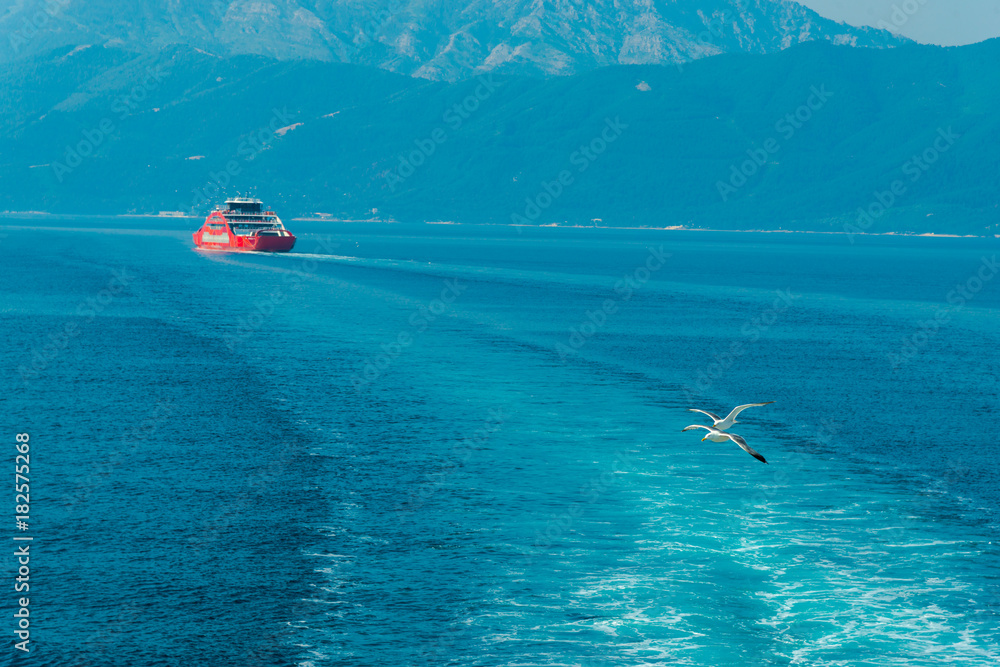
435	39
348	133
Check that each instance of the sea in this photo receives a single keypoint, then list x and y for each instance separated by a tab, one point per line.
434	444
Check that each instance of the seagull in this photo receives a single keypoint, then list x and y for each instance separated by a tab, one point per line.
715	435
727	423
719	436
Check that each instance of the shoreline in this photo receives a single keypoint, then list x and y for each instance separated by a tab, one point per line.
668	228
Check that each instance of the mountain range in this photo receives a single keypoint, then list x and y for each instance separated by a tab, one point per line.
433	39
818	136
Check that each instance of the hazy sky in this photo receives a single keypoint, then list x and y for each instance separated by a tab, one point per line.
948	22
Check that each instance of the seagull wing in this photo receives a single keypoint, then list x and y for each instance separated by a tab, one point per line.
740	408
738	439
714	417
688	428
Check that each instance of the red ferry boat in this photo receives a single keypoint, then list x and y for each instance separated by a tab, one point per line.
244	225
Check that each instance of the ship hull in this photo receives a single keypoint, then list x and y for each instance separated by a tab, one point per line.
269	243
249	244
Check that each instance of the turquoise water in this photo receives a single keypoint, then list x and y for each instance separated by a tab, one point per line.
410	444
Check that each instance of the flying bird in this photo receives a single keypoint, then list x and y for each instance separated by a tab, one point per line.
727	423
715	435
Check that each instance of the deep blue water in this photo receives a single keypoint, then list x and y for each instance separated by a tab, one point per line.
307	459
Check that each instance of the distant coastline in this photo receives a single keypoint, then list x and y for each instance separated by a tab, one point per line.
668	228
180	215
161	214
